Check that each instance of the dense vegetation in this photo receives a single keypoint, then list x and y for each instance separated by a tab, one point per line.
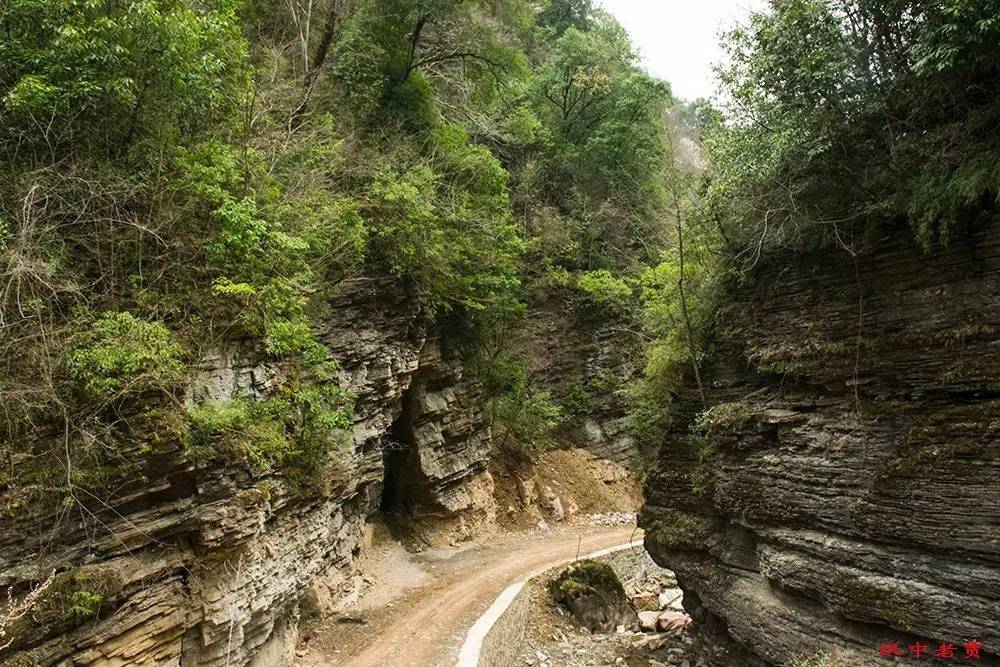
179	174
846	115
839	122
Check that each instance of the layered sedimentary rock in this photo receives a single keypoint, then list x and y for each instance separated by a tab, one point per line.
841	491
583	359
436	452
206	565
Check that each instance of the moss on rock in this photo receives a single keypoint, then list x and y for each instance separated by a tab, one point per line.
592	592
675	530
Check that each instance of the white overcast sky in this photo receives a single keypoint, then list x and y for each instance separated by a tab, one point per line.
679	39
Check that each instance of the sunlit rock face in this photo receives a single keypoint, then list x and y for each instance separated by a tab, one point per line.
842	490
206	565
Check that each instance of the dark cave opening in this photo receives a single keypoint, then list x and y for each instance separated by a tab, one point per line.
404	486
399	461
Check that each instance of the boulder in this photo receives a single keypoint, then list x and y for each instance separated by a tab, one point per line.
648	620
671	621
645	601
552	504
672	598
526	490
593	595
571	507
315	602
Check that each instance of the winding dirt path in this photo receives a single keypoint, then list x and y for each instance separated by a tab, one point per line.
425	627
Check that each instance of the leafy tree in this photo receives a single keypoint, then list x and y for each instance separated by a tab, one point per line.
605	290
111	76
178	173
603	149
563	14
446	224
389	50
847	113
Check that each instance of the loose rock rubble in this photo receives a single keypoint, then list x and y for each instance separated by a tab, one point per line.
657	631
611	519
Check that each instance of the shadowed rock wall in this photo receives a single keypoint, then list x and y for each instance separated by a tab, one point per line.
583	359
842	490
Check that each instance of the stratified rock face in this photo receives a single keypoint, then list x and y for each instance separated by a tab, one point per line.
583	359
842	490
436	465
206	565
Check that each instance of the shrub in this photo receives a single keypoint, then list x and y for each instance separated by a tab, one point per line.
557	276
445	224
603	289
576	396
121	353
295	431
527	419
60	603
725	418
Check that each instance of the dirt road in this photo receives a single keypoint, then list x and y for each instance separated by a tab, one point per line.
425	626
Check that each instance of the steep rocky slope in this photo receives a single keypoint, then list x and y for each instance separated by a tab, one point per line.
583	359
206	565
842	489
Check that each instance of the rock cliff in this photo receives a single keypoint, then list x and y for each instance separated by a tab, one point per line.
841	491
583	359
207	565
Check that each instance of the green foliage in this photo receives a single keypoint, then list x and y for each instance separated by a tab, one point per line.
78	594
649	414
72	597
266	252
4	234
575	397
557	277
446	225
524	421
297	430
389	46
563	14
266	272
122	354
108	75
604	290
85	604
199	171
677	322
601	152
850	113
